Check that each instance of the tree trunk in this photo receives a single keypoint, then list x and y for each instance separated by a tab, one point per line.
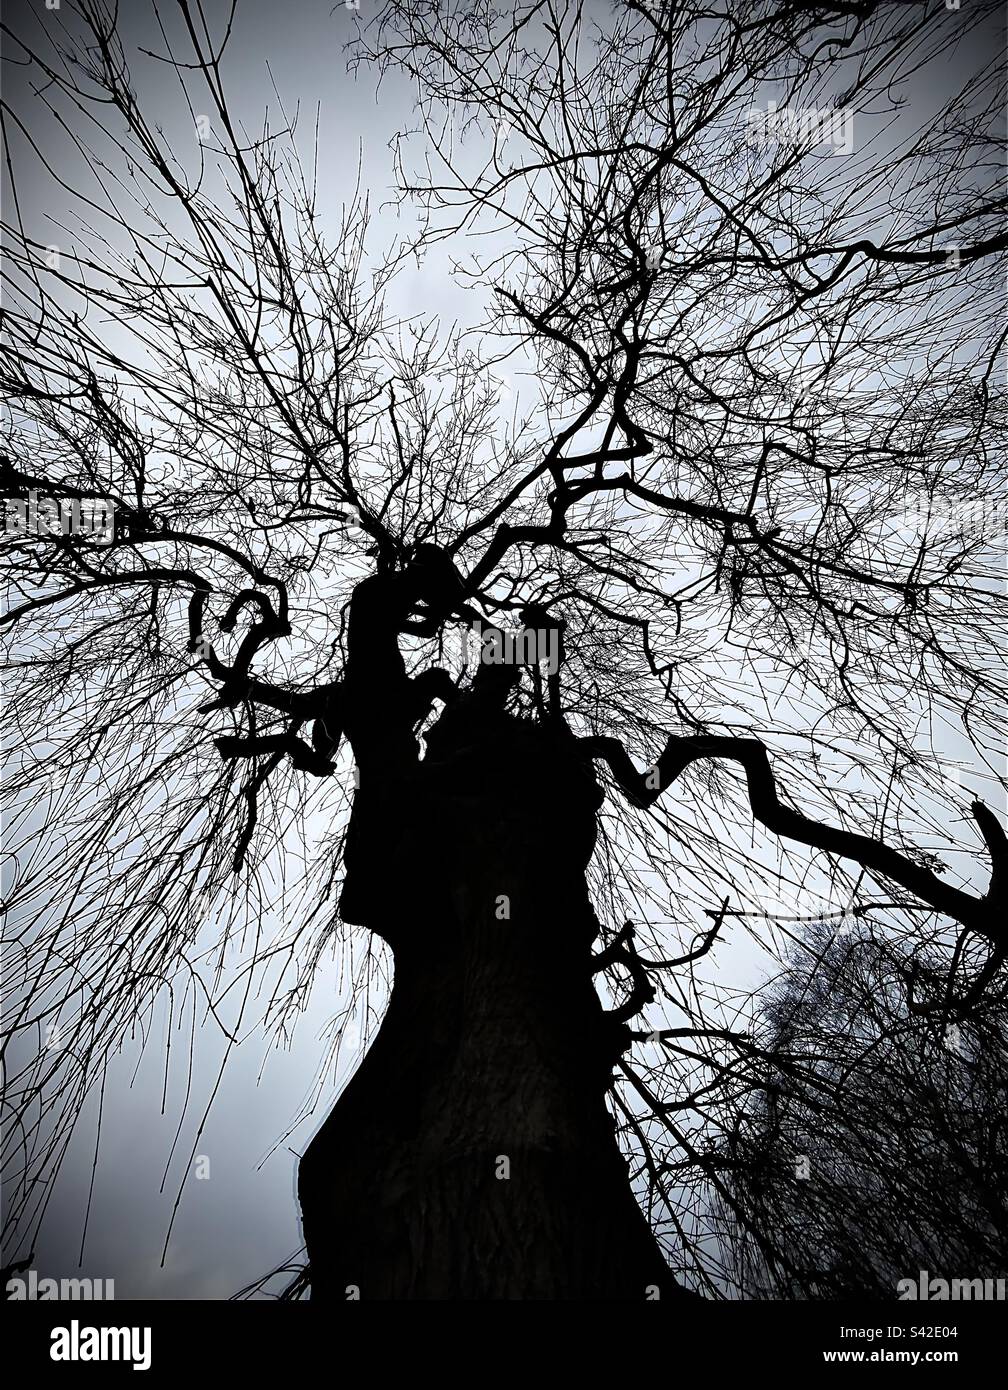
472	1155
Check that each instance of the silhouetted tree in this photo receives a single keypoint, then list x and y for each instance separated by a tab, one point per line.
732	495
874	1145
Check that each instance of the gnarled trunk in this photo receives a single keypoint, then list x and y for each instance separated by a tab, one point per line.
472	1155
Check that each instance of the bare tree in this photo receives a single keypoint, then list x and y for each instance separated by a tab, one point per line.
871	1144
729	562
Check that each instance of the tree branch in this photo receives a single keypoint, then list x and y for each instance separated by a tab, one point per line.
984	915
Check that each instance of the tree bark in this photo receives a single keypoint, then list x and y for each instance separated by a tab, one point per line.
472	1155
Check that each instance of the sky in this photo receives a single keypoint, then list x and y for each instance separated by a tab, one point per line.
241	1219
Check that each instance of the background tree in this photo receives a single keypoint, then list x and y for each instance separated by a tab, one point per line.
871	1145
737	491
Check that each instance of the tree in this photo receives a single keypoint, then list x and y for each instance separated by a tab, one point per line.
873	1145
663	642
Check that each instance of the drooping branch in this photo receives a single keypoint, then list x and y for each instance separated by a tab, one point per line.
984	915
